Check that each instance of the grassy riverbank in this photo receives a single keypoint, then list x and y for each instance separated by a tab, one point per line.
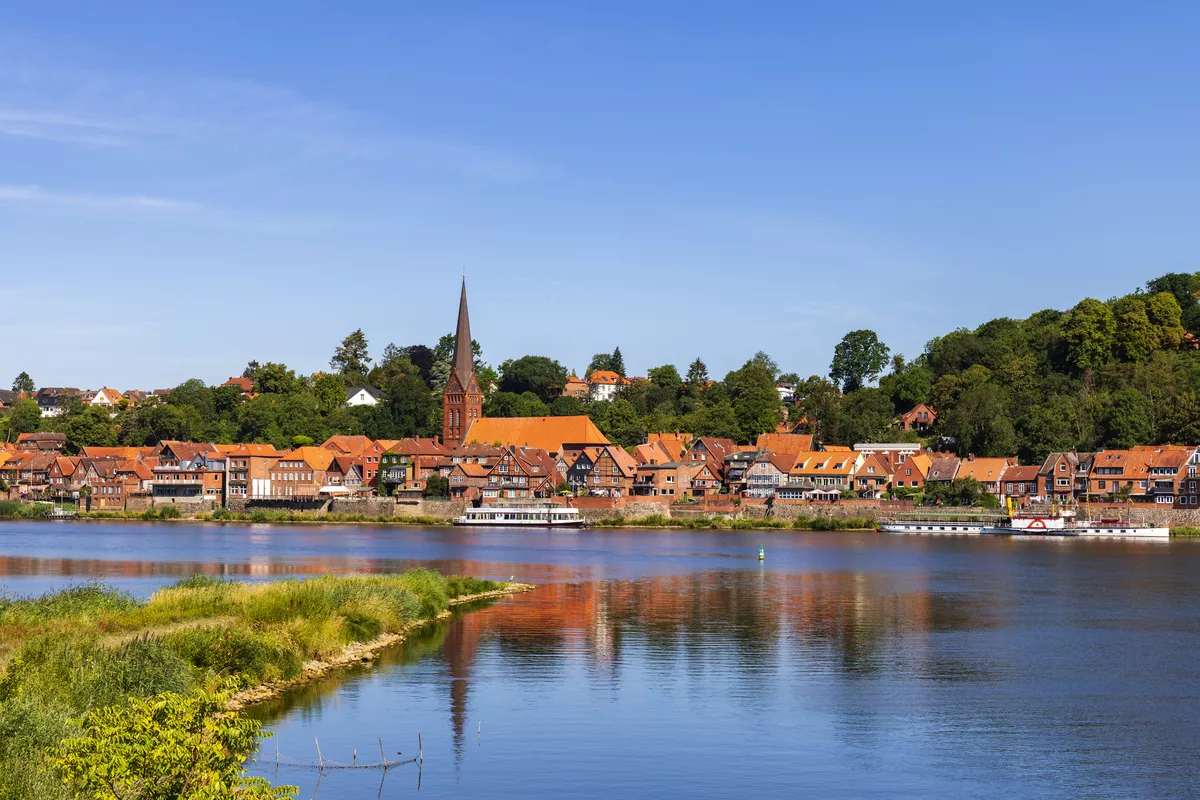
720	523
68	653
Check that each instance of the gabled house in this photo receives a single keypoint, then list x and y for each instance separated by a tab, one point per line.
943	469
1020	483
103	397
52	399
828	472
765	473
672	479
300	473
675	445
874	476
552	434
521	473
410	463
920	419
712	451
467	480
243	385
1066	475
344	477
613	472
363	396
912	473
1188	487
988	471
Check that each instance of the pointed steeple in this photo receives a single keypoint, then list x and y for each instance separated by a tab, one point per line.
464	357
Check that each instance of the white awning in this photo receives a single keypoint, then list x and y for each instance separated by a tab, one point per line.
334	490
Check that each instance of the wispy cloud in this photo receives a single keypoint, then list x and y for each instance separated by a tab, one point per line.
38	195
58	127
229	122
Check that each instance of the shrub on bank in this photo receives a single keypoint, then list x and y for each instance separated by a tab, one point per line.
1184	530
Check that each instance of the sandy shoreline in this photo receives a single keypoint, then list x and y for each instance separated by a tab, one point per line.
358	653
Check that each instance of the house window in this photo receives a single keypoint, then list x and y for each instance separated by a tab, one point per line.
1008	487
1103	484
1063	482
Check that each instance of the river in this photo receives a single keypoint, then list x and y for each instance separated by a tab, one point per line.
675	664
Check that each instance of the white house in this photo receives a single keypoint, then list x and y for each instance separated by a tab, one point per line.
605	383
363	396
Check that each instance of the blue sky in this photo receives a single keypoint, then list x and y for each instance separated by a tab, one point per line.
184	188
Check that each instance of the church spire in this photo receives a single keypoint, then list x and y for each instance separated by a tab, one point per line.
464	355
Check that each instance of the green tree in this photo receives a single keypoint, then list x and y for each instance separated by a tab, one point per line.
1166	316
25	417
981	423
617	364
272	378
350	359
443	354
819	403
1185	288
411	406
23	383
622	424
864	416
92	427
857	360
697	375
538	374
766	362
754	399
166	747
600	361
1135	337
509	404
330	391
1127	420
1089	331
567	407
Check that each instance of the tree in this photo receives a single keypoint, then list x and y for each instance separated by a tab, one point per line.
25	417
443	354
1135	337
863	416
789	378
411	406
981	423
754	399
330	392
566	407
857	360
622	424
1088	332
508	404
768	363
697	375
91	427
23	383
182	747
436	486
273	378
1166	316
820	405
1127	420
600	361
617	364
350	359
538	374
1185	288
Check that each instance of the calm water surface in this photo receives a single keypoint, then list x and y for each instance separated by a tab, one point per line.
674	664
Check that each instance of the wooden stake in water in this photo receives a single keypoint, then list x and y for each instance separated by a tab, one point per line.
380	740
420	749
320	758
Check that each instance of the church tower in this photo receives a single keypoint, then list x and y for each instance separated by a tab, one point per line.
462	402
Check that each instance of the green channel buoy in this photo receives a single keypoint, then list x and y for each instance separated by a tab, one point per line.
762	553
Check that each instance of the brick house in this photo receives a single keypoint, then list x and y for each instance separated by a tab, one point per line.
1020	483
300	473
467	480
410	463
1188	487
521	473
1066	475
672	479
943	469
911	474
920	419
766	473
874	476
41	441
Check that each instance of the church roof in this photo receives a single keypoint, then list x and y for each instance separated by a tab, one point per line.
546	433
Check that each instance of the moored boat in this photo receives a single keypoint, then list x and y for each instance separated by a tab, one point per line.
522	516
930	526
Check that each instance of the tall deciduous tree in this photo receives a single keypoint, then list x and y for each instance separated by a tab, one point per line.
543	376
858	359
25	417
1088	332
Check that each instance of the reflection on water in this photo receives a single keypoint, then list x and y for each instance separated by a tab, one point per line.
671	664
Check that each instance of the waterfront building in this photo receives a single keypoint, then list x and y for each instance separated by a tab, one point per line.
874	476
988	471
898	452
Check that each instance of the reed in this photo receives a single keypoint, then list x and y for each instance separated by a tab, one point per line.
90	646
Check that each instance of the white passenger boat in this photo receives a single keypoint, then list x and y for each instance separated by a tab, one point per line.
1065	524
930	526
522	516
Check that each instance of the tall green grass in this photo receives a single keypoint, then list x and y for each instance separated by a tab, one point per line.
89	646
